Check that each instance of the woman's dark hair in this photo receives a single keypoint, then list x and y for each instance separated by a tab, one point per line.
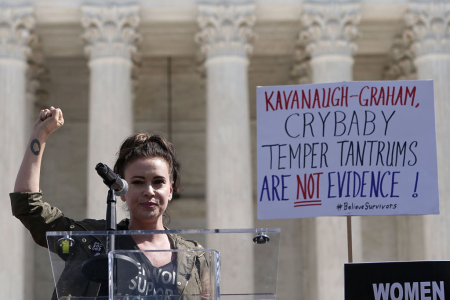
143	145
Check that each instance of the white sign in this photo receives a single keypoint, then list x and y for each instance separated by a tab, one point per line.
346	148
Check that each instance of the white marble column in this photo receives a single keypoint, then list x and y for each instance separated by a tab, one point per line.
225	38
111	36
330	31
429	30
226	33
16	258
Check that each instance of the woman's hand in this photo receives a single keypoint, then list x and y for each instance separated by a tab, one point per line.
48	121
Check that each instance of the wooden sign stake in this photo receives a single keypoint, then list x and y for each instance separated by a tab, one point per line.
349	239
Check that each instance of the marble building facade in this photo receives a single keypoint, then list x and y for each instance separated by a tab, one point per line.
189	69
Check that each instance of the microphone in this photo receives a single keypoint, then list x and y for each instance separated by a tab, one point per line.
110	178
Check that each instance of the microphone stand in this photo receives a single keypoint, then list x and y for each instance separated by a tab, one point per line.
96	267
111	224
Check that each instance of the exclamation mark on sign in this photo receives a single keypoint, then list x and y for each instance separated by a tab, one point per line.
415	186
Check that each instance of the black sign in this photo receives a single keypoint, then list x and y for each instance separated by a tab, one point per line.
419	280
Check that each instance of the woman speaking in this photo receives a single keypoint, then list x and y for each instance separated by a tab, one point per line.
148	164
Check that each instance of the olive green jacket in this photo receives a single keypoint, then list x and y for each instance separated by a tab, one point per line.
40	217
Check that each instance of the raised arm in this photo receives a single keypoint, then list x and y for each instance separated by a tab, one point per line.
29	173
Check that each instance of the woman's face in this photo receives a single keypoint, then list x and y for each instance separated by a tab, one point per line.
149	190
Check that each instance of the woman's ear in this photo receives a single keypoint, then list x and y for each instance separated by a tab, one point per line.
171	192
123	198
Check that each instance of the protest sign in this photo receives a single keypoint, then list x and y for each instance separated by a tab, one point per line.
346	148
417	280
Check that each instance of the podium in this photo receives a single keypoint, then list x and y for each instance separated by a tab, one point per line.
231	264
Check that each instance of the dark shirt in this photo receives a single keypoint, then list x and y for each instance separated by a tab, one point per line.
151	280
